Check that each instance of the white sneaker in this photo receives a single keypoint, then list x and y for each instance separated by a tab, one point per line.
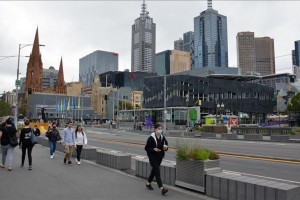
51	156
78	163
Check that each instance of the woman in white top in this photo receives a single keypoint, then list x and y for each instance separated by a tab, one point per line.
80	140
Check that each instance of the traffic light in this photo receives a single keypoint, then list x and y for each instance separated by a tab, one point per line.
29	91
105	97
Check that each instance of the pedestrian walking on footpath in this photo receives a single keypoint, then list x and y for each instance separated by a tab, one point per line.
36	130
53	137
68	141
25	144
80	140
7	131
155	147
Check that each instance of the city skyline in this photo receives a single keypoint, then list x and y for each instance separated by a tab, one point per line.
68	31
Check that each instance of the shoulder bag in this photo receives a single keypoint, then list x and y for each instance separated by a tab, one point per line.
33	138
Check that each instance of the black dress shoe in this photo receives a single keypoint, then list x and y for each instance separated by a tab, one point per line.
164	191
149	187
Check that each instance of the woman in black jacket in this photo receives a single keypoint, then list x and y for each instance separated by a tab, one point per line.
25	144
156	147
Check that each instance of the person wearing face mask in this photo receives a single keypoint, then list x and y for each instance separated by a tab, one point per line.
155	147
36	130
53	136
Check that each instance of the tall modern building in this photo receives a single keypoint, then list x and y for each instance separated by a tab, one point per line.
97	62
49	77
246	58
172	61
143	42
210	39
265	56
178	44
255	55
188	46
297	53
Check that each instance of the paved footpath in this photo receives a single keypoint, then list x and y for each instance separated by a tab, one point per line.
51	179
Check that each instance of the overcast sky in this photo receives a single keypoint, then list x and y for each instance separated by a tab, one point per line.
73	29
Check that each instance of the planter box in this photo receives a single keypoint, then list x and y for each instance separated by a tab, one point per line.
280	138
229	136
114	159
191	173
167	170
209	135
253	137
88	153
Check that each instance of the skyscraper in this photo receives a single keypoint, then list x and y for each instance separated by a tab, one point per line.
188	45
95	63
246	58
297	53
265	56
178	44
143	42
255	54
210	39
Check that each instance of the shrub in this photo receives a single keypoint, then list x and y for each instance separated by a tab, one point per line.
187	149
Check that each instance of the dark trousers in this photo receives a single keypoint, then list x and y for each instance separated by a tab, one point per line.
155	172
78	151
29	147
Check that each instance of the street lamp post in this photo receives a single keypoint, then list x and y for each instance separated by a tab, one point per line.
17	83
220	108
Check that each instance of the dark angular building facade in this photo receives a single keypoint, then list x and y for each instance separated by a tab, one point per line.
185	91
134	80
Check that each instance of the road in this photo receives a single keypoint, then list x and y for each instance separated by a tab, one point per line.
134	143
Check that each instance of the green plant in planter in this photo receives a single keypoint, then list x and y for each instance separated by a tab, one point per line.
187	149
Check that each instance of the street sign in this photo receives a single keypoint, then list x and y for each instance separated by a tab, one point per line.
18	83
168	116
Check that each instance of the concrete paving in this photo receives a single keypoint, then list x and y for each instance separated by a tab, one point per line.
51	179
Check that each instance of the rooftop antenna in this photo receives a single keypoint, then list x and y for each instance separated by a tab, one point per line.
209	4
144	12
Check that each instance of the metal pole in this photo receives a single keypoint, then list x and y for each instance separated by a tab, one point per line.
165	104
17	91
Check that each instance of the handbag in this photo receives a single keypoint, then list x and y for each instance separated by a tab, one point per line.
13	140
33	138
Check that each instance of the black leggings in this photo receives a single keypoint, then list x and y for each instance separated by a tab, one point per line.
29	147
78	151
155	172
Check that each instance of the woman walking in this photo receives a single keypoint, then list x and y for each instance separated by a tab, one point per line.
25	144
53	137
80	140
156	146
7	131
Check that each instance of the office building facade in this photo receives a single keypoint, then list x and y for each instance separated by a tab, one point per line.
188	46
297	53
95	63
143	43
246	57
178	44
210	39
265	56
179	61
162	62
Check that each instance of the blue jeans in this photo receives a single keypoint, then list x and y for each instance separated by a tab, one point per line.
52	145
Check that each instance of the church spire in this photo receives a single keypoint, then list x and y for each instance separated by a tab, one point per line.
34	74
36	44
60	86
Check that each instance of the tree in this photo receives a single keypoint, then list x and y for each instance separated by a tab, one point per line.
4	109
125	105
295	103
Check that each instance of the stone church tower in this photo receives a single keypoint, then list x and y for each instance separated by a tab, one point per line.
60	86
34	74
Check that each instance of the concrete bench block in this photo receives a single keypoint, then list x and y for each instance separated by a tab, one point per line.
114	159
253	137
88	153
229	136
167	170
280	138
208	135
